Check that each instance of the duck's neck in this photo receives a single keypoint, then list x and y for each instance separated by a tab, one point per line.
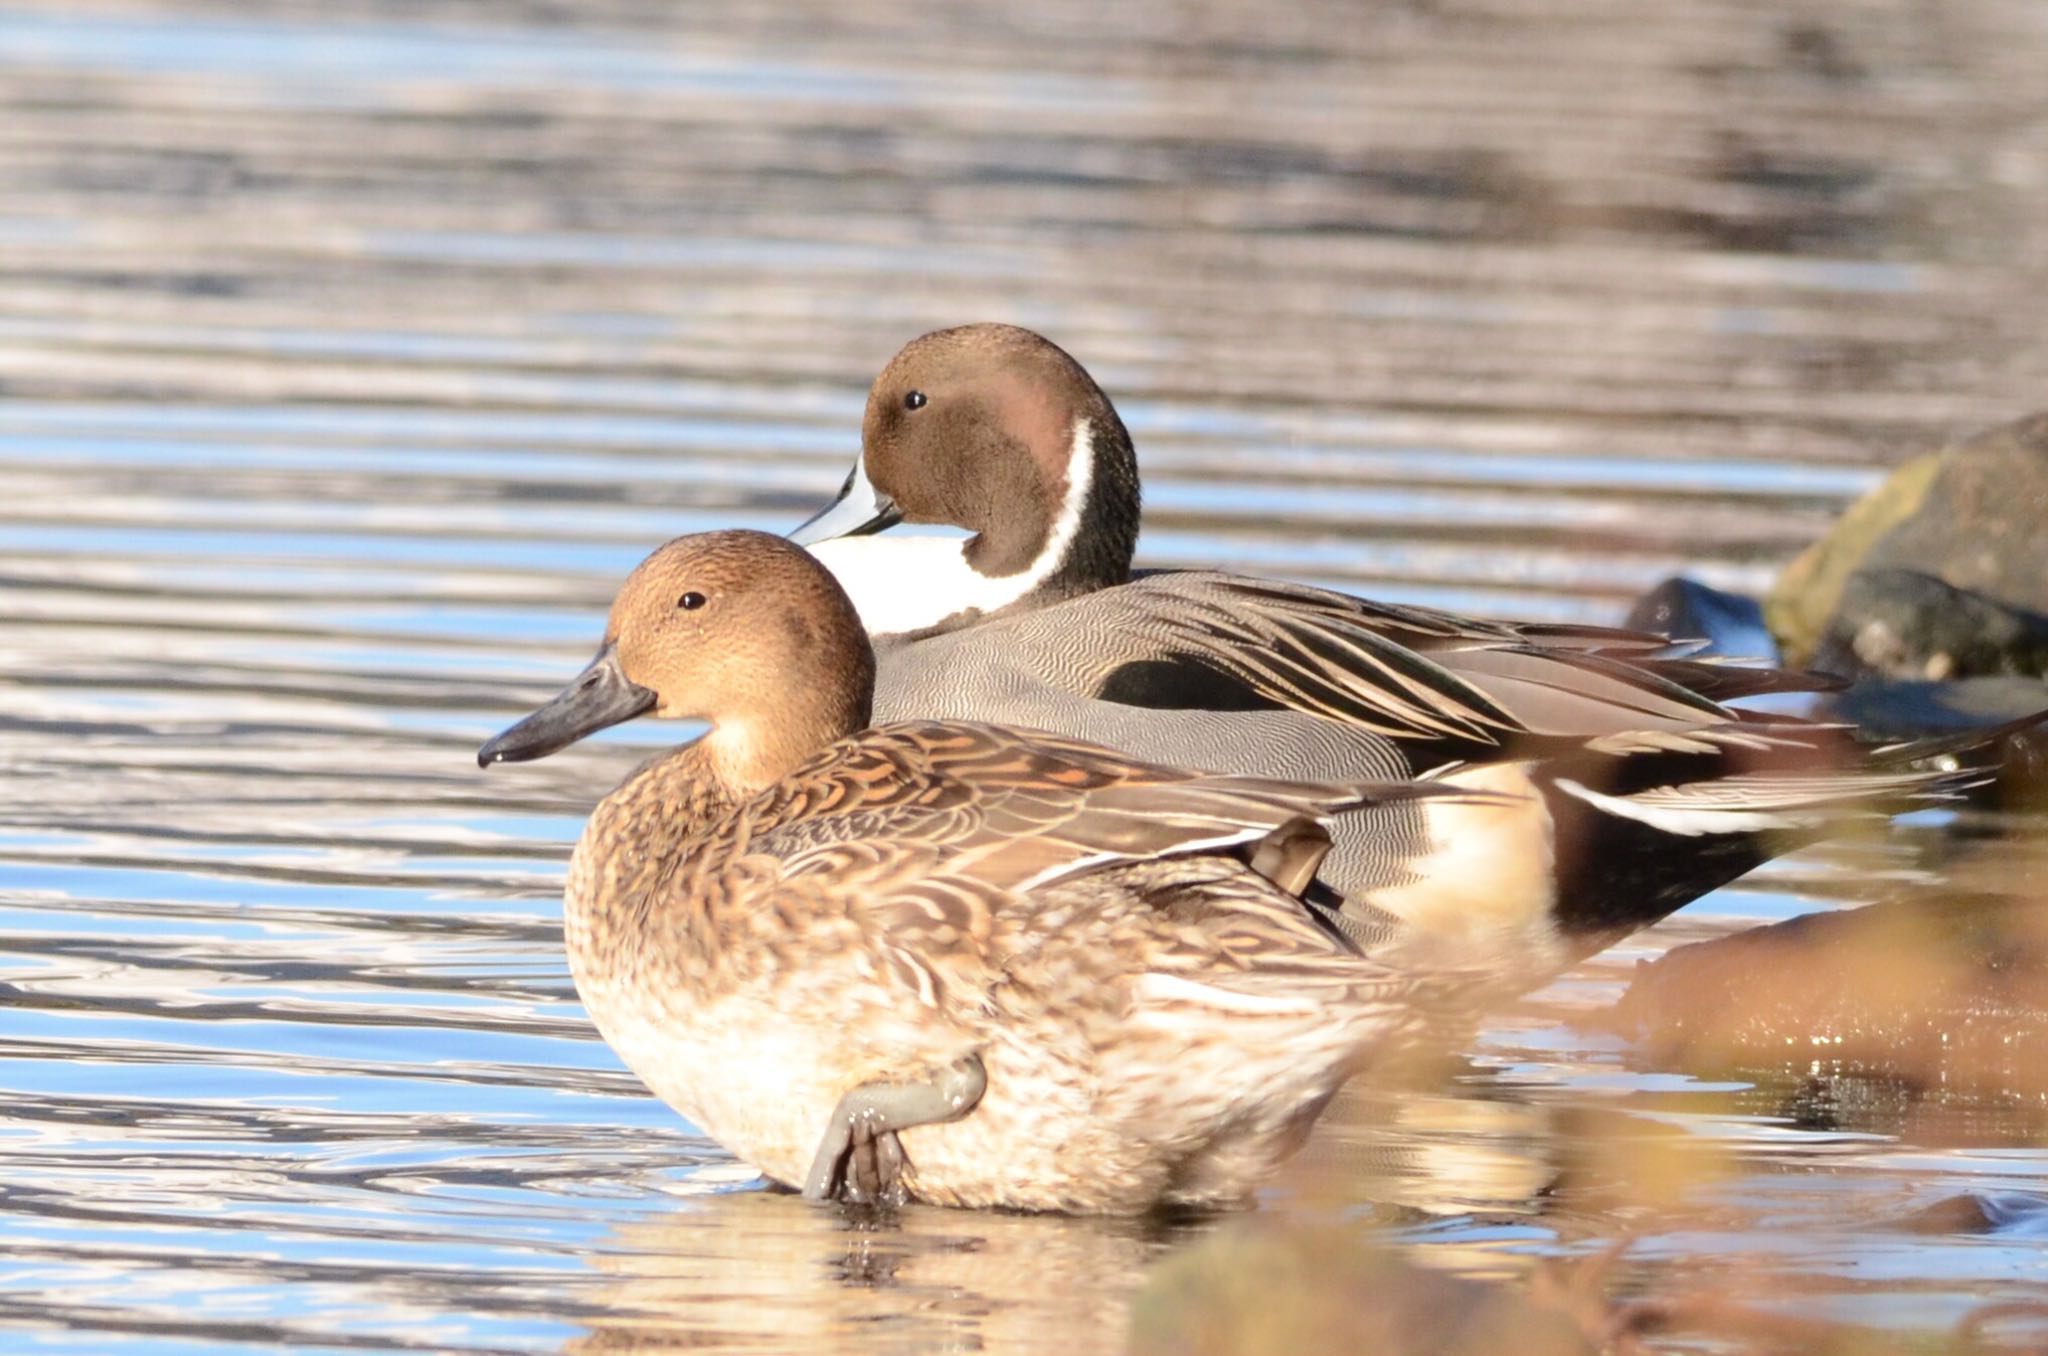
741	758
696	785
1081	540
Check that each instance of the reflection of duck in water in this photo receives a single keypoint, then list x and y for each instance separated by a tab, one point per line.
757	1271
988	966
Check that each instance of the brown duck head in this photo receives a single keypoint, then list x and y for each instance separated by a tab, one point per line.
739	629
996	430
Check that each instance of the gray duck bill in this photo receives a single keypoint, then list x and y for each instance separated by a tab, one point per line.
602	695
859	510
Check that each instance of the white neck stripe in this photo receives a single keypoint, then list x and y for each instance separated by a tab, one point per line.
906	583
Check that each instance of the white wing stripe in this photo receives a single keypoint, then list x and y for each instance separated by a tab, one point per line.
1687	823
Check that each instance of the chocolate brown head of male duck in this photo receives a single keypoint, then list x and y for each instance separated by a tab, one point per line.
732	628
997	430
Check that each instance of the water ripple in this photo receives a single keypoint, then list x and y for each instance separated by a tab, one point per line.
349	354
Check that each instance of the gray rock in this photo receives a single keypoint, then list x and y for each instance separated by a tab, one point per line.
1984	523
1685	609
1900	623
1973	517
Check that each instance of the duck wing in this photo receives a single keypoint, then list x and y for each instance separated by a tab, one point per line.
1017	809
1206	640
977	850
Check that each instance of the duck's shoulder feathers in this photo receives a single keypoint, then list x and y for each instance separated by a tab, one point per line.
1014	809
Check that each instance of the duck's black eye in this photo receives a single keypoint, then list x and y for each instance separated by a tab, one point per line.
914	401
690	601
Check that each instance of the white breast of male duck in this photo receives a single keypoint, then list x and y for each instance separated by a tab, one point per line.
903	583
1001	433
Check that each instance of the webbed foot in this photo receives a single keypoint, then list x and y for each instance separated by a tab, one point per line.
860	1160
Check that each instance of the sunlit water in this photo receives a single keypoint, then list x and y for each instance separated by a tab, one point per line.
349	354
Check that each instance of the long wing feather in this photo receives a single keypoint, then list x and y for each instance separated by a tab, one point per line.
1414	673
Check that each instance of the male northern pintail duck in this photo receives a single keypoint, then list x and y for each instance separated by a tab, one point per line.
1639	789
978	964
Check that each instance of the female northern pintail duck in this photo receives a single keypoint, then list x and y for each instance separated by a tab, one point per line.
1638	789
983	965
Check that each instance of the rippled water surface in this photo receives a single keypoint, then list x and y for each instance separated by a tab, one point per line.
351	352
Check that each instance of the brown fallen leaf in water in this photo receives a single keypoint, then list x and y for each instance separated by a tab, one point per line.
1934	993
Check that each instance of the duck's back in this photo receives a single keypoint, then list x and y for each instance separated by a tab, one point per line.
1427	687
1242	676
